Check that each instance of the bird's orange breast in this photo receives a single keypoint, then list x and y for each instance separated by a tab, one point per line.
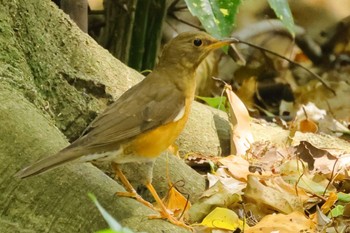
152	143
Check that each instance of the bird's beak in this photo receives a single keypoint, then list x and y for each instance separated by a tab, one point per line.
221	43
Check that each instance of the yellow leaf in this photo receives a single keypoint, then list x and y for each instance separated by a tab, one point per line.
176	202
222	218
331	200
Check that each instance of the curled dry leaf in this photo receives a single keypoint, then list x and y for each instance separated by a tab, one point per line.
237	166
232	185
242	137
216	196
176	202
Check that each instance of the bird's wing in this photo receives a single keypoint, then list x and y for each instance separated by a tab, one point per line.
140	109
130	115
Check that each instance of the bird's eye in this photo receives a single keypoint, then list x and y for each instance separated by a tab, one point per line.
197	42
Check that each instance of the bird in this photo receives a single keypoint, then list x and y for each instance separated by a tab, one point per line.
145	120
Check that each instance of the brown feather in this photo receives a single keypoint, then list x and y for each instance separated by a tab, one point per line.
148	108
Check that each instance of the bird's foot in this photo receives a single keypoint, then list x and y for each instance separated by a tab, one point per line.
164	214
137	197
163	211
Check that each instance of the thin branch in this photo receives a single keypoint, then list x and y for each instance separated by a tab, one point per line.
290	61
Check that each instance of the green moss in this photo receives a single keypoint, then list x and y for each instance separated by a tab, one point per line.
41	55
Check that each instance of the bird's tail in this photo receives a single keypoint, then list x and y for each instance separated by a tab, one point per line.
48	163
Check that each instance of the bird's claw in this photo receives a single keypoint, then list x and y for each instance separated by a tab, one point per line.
137	197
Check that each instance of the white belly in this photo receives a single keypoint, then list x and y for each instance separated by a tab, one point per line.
116	156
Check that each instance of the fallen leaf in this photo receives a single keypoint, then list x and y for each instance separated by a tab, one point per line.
308	126
223	218
279	184
216	196
237	166
241	136
309	153
346	212
280	223
232	185
270	198
331	200
320	219
295	173
337	211
176	202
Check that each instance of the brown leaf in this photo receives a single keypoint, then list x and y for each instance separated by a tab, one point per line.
291	223
242	137
238	167
308	153
308	126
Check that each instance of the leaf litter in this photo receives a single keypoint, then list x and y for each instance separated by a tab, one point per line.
264	186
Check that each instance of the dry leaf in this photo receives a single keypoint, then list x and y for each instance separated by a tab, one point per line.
216	196
223	218
312	119
232	185
176	202
242	137
280	223
309	153
237	166
294	173
320	219
331	200
270	198
308	126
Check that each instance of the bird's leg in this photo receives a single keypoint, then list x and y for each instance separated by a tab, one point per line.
131	192
164	212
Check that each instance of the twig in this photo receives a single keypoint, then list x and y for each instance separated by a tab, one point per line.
290	61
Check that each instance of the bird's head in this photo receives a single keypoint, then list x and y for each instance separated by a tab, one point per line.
190	48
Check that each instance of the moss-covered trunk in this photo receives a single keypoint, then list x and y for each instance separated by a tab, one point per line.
54	79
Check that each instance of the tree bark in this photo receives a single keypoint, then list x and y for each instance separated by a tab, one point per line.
54	79
77	11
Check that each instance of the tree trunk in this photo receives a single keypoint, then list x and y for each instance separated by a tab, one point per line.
77	11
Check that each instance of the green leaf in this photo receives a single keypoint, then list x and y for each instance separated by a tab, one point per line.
282	11
216	16
215	102
108	231
112	223
336	211
343	197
